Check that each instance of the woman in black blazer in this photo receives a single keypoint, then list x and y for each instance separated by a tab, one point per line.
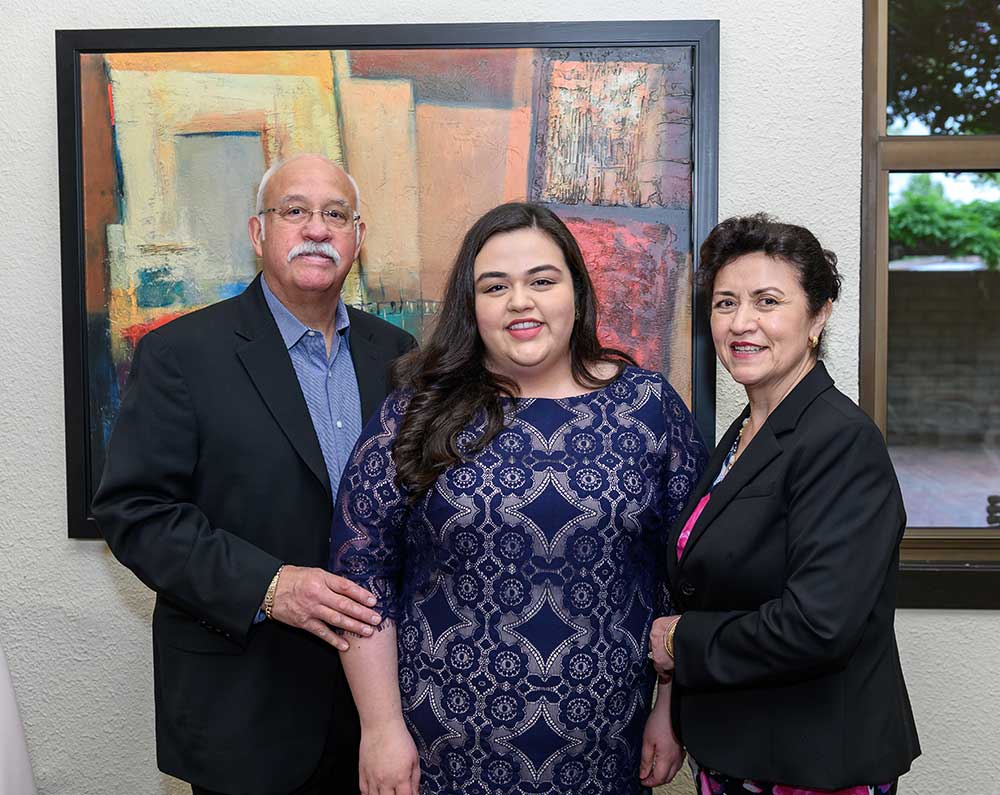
784	660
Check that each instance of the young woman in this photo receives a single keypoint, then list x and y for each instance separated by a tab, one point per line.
509	507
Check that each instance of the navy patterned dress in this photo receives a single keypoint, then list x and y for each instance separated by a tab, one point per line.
524	583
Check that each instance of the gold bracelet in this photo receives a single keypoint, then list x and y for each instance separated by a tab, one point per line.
271	590
668	638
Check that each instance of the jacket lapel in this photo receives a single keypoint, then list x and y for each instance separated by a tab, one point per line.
701	488
763	449
270	368
368	367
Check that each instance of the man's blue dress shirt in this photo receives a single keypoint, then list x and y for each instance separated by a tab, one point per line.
329	383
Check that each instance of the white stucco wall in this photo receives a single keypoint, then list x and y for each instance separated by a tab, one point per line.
74	624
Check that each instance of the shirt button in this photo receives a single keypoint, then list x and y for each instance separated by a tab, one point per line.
329	373
340	424
312	333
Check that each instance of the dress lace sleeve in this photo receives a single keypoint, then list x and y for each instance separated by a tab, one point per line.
684	460
367	543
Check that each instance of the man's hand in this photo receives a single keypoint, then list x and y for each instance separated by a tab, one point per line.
316	600
388	763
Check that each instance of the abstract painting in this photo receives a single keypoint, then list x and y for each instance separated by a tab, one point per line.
170	146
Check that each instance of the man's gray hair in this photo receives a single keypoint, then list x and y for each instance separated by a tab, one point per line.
277	164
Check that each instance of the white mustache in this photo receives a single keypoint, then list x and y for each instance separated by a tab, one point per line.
312	247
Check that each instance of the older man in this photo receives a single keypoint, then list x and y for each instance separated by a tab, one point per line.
218	491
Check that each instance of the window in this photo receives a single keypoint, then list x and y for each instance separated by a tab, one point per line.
930	319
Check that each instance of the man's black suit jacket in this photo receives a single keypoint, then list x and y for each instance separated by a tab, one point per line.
787	666
214	478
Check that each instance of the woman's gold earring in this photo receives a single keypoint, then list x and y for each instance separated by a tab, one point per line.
813	341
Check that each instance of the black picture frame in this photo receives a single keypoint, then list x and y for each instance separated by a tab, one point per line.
701	36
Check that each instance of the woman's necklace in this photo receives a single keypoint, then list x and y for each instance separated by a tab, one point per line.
734	451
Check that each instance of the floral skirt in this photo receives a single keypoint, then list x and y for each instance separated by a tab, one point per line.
709	782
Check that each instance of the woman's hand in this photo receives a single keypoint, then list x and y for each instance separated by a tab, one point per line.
388	763
662	661
662	755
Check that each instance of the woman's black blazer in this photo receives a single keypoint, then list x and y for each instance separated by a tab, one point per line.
787	666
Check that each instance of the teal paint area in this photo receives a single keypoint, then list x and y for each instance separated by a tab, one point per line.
222	134
410	316
158	287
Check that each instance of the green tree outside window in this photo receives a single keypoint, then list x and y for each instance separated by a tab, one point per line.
944	65
923	221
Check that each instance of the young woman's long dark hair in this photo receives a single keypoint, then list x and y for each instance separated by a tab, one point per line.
447	378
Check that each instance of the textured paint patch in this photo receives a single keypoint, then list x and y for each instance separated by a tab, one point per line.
379	141
158	287
613	131
217	175
247	122
635	267
100	185
478	150
483	78
301	63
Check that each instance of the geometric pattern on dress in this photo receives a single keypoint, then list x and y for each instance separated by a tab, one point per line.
646	411
550	512
545	631
544	421
440	617
634	624
539	742
427	722
634	723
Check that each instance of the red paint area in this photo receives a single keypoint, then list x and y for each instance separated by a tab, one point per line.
633	266
136	332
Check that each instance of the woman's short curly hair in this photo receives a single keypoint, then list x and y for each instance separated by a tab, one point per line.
796	245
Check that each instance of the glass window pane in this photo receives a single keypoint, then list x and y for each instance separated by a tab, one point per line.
944	67
943	417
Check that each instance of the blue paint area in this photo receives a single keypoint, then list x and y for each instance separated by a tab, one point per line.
231	289
221	134
119	176
158	288
104	393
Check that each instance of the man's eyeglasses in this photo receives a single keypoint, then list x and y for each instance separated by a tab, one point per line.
334	218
